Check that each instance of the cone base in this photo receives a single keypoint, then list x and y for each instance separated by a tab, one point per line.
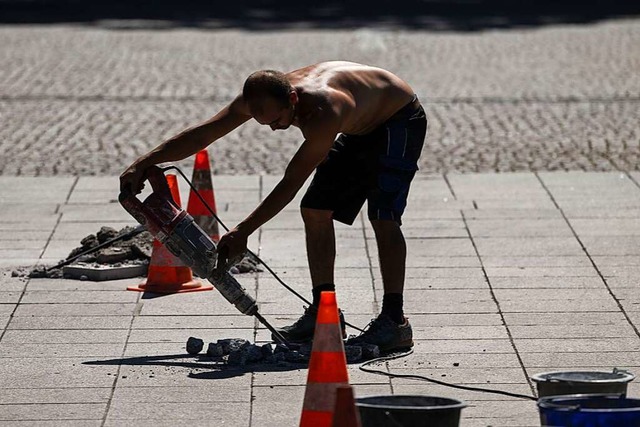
191	286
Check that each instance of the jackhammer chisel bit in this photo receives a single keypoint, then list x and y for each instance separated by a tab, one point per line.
178	231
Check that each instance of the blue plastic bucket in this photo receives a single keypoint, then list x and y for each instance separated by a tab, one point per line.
589	410
409	411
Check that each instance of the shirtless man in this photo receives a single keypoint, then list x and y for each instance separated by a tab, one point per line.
364	130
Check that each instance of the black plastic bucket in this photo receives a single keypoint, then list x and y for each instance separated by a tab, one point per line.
589	410
582	382
409	411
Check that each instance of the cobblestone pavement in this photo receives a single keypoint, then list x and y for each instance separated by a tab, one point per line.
89	99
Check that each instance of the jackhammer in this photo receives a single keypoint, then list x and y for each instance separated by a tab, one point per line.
178	231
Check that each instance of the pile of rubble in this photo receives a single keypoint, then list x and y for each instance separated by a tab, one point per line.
134	251
123	258
240	352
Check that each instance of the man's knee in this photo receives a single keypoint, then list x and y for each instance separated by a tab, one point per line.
382	225
316	216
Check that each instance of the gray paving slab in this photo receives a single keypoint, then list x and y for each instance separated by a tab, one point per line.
429	389
79	296
479	346
19	254
181	335
67	285
87	336
557	272
547	282
54	373
571	319
22	244
607	360
570	345
166	321
187	394
572	331
129	412
75	310
537	261
8	297
16	396
457	374
519	228
58	412
49	350
7	309
493	409
36	236
530	246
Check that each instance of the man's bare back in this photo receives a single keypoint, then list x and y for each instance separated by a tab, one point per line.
362	96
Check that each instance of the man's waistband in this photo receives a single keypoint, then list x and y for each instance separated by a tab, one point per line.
406	111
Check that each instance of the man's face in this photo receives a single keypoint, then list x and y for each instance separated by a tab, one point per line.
273	114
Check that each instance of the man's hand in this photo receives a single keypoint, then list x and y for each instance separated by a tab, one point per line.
231	248
133	177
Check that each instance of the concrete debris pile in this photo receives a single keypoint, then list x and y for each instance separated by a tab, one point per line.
135	251
128	257
240	352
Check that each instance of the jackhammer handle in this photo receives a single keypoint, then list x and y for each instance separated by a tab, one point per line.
158	181
159	184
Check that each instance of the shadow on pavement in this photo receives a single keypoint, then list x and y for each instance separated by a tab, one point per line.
218	369
444	15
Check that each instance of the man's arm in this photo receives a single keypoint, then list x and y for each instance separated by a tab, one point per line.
187	142
319	141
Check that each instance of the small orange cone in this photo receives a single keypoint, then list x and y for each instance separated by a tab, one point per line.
345	413
167	274
201	180
327	366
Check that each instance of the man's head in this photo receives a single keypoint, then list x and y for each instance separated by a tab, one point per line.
271	98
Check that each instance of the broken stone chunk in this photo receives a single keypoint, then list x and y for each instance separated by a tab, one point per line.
237	358
254	353
194	345
267	350
113	255
295	357
215	350
232	344
106	233
280	348
278	357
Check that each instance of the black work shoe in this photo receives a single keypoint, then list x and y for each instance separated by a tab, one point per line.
386	334
302	329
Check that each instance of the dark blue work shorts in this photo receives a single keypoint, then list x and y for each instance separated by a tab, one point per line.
377	167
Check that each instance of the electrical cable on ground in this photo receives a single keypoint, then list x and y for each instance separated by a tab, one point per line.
364	367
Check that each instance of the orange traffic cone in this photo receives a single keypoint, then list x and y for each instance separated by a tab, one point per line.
345	413
201	180
327	366
167	274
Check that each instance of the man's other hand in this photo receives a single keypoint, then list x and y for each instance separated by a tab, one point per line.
231	248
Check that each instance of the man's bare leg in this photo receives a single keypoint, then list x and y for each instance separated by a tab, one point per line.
392	252
321	245
321	253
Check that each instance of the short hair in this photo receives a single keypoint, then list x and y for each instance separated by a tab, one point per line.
271	83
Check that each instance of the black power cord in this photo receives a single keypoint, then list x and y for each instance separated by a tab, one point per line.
365	366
